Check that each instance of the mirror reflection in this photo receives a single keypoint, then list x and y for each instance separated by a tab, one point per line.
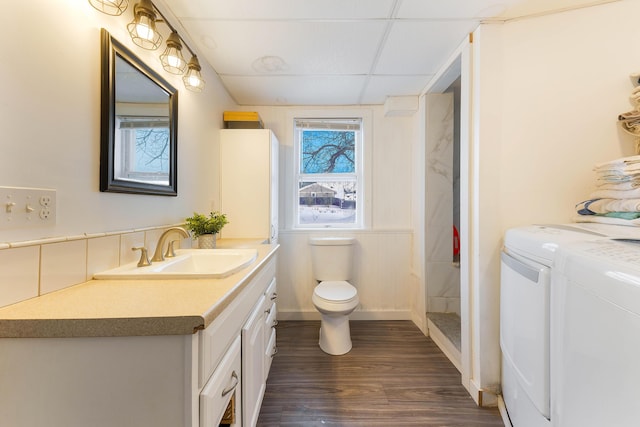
139	125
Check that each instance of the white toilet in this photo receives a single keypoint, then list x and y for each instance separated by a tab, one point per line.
334	297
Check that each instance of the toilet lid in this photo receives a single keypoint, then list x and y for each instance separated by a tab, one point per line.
337	291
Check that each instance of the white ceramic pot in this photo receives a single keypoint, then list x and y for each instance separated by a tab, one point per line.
207	241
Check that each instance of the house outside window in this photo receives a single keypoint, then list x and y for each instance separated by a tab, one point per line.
328	171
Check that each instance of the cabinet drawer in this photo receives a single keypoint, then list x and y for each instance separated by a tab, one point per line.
271	292
221	386
270	318
270	352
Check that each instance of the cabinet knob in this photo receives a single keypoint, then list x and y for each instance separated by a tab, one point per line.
268	310
275	323
274	296
275	351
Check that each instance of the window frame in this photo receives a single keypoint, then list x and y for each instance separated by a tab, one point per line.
358	175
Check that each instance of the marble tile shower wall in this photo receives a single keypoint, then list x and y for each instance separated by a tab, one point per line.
441	275
32	268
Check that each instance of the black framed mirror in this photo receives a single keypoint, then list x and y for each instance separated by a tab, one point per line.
139	125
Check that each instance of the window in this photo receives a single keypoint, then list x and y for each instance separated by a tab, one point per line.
328	164
142	149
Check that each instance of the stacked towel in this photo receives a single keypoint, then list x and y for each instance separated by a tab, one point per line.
617	197
630	120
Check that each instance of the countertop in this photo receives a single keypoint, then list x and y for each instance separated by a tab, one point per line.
104	308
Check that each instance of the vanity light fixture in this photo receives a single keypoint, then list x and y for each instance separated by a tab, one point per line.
193	79
143	27
144	33
172	59
110	7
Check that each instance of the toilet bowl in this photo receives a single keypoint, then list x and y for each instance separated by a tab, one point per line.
335	300
334	297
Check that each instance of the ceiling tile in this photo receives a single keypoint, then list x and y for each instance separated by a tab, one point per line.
305	47
415	47
282	9
295	90
380	87
453	9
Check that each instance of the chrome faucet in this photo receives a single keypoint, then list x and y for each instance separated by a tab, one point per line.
157	255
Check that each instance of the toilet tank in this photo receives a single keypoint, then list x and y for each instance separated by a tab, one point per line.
332	257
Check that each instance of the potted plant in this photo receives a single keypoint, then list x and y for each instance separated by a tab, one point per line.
205	228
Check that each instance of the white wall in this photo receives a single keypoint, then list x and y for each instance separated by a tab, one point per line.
50	121
547	92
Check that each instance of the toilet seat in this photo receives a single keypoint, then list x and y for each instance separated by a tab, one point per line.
337	292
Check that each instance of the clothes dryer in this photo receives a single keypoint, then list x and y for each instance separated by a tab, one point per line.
595	315
526	262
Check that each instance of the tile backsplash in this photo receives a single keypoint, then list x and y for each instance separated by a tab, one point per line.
34	268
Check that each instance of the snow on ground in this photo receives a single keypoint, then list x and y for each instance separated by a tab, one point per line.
326	215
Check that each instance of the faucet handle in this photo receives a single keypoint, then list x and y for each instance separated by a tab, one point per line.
170	253
144	257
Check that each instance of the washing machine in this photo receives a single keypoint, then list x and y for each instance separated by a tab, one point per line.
526	261
595	315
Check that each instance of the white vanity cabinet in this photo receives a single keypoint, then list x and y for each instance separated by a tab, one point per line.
141	381
249	183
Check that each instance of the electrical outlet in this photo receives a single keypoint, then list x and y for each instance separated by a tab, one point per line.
45	213
45	200
27	207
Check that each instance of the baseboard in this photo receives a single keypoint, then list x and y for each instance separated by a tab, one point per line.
503	412
445	345
482	397
356	315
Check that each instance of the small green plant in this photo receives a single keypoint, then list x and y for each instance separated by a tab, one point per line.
200	224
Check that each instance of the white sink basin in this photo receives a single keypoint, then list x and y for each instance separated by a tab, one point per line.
187	264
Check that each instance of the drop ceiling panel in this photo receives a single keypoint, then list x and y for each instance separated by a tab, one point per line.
452	9
524	8
421	47
295	90
380	87
305	47
281	9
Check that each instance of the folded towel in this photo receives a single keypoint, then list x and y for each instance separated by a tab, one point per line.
617	163
607	220
615	194
629	116
622	215
630	169
619	185
603	206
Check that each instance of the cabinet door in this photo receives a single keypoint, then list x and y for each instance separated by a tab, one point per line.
246	187
253	385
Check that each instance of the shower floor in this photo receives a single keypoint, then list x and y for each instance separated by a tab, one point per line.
444	329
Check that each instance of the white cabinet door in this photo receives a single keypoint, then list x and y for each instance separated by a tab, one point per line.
253	385
249	183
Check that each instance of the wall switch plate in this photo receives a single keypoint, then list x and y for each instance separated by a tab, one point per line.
27	207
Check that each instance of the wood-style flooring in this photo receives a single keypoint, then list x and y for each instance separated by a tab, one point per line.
393	376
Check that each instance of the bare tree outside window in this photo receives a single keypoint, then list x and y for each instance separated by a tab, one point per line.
328	152
152	150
